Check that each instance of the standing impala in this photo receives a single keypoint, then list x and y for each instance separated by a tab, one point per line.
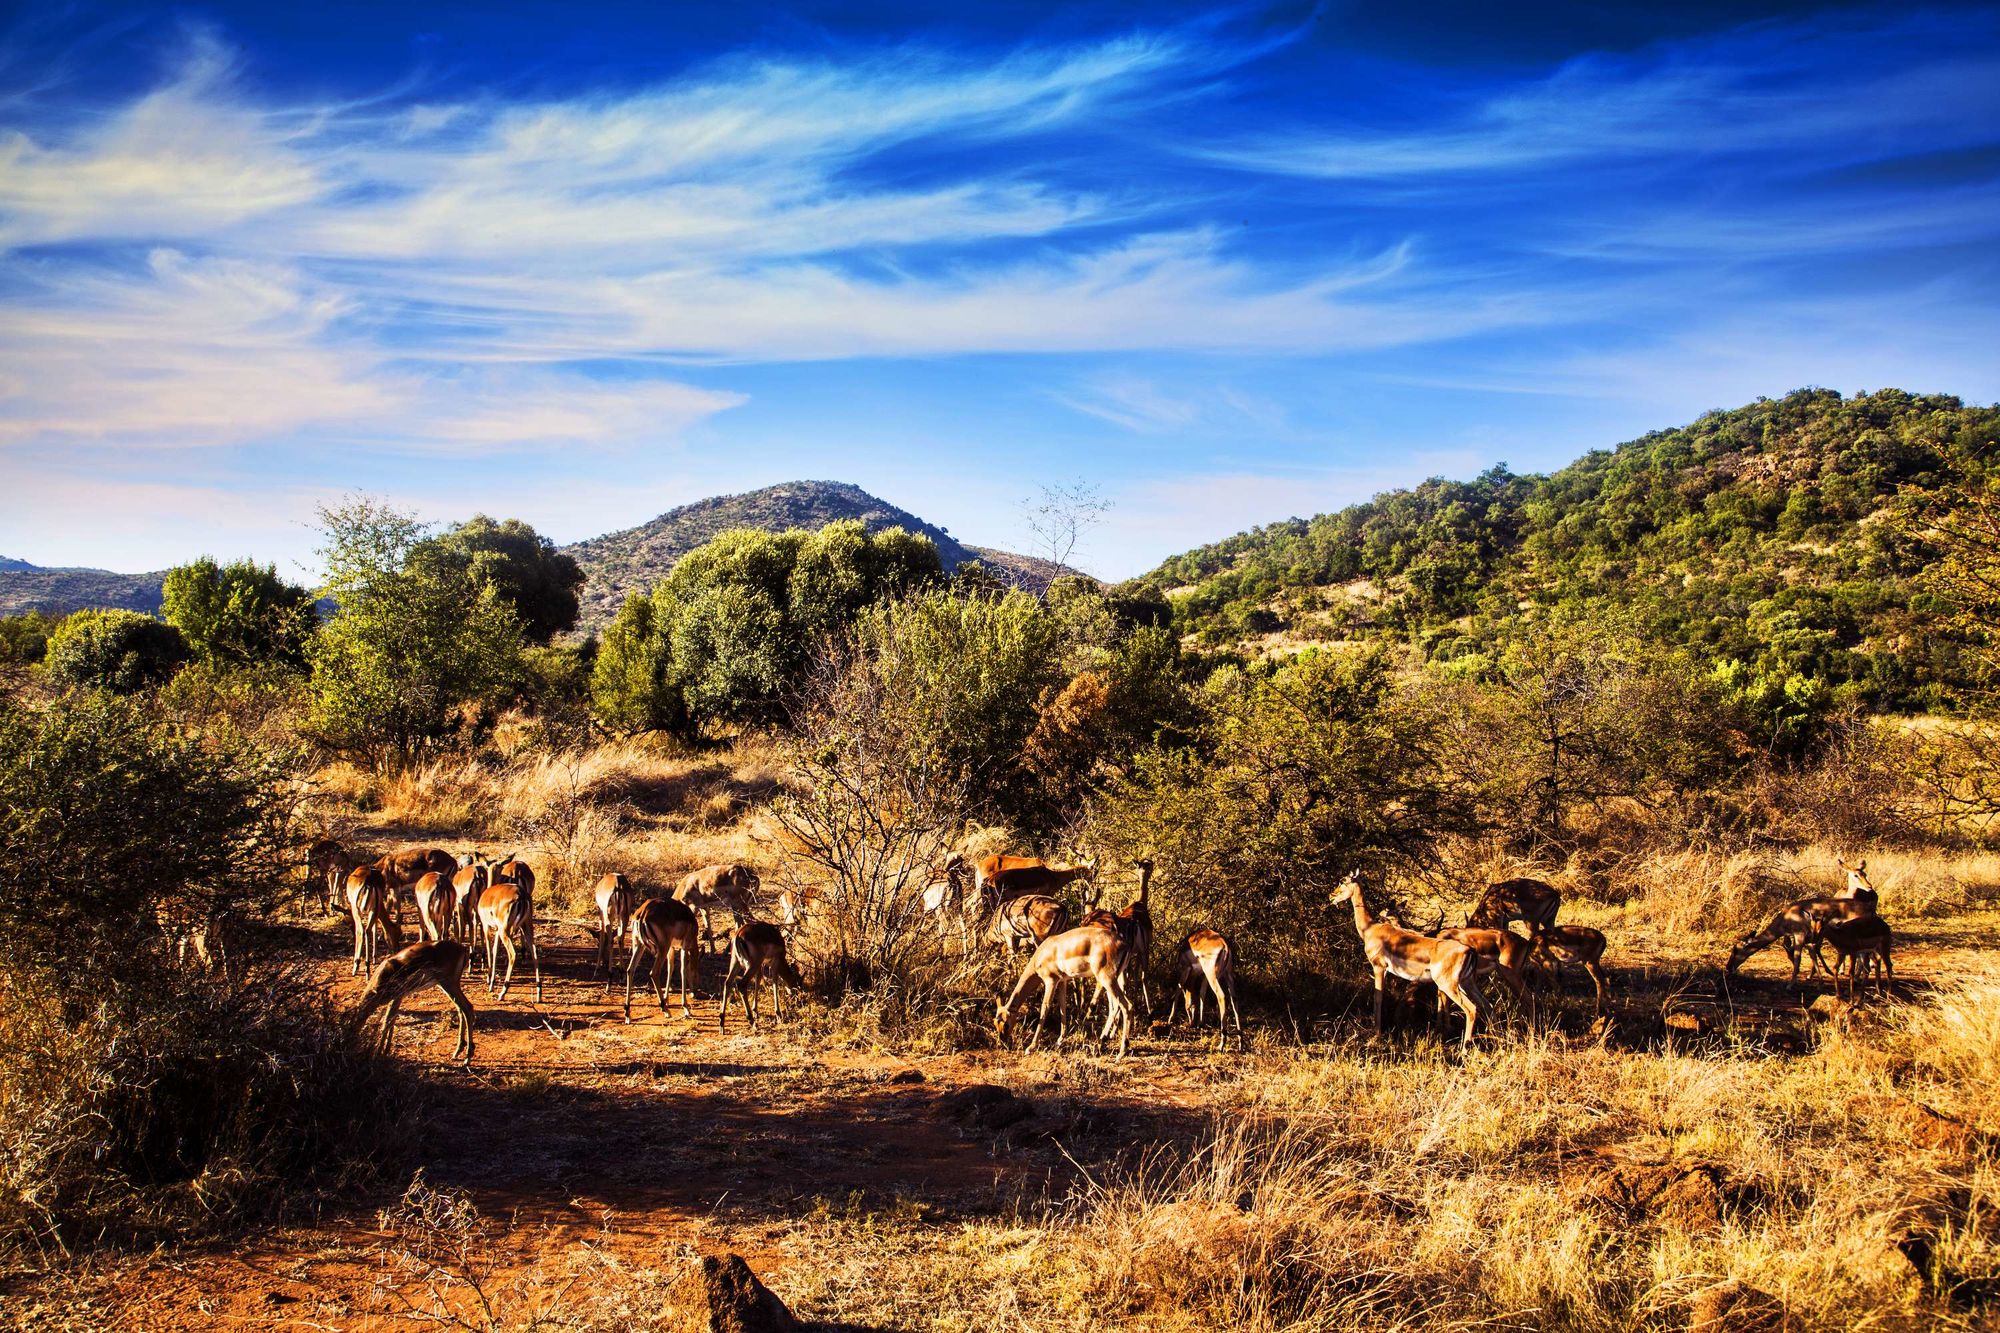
1208	955
367	907
662	929
507	916
1452	966
615	904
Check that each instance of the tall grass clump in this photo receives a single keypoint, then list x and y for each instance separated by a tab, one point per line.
141	1091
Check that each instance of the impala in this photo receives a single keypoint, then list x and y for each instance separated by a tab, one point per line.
467	884
757	953
507	917
1134	922
402	869
729	887
1454	968
615	903
1208	955
1095	952
1016	881
1528	901
439	963
367	907
1856	944
1576	944
662	929
1027	920
1507	954
437	905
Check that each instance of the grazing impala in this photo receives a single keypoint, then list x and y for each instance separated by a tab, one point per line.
439	963
327	864
615	903
730	888
1096	953
1453	967
1797	928
1528	901
367	907
756	953
1856	944
662	929
1576	944
1010	882
1027	921
507	916
1209	955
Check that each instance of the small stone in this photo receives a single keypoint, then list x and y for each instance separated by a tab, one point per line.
986	1106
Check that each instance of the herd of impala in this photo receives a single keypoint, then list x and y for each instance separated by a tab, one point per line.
1011	901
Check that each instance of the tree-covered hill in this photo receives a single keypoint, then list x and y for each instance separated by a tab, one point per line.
621	563
1760	537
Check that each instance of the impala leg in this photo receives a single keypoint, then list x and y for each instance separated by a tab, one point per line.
360	943
1381	978
456	994
535	955
388	1034
1221	1009
630	963
1049	988
513	953
686	991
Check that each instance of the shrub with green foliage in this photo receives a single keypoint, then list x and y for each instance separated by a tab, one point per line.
1301	773
137	1094
522	567
24	639
122	651
733	627
238	614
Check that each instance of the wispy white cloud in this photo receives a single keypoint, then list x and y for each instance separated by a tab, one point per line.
1141	404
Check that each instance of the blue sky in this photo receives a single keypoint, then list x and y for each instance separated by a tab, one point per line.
581	263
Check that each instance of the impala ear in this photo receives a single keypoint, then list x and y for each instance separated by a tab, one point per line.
1862	869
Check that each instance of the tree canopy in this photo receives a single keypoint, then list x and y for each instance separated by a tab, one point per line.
239	613
522	567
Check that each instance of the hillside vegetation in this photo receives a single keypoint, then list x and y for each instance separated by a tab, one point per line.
1760	538
25	587
621	563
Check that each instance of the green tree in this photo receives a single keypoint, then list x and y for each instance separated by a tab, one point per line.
732	629
239	613
523	567
24	639
120	651
417	647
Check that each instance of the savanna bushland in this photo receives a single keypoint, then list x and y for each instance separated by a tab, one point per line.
1682	682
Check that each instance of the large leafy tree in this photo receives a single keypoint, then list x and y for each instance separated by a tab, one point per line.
418	646
120	651
522	567
239	613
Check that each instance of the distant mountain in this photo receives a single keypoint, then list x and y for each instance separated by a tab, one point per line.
26	587
621	563
8	562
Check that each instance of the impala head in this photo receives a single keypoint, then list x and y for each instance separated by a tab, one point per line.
1349	888
1857	877
1744	947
